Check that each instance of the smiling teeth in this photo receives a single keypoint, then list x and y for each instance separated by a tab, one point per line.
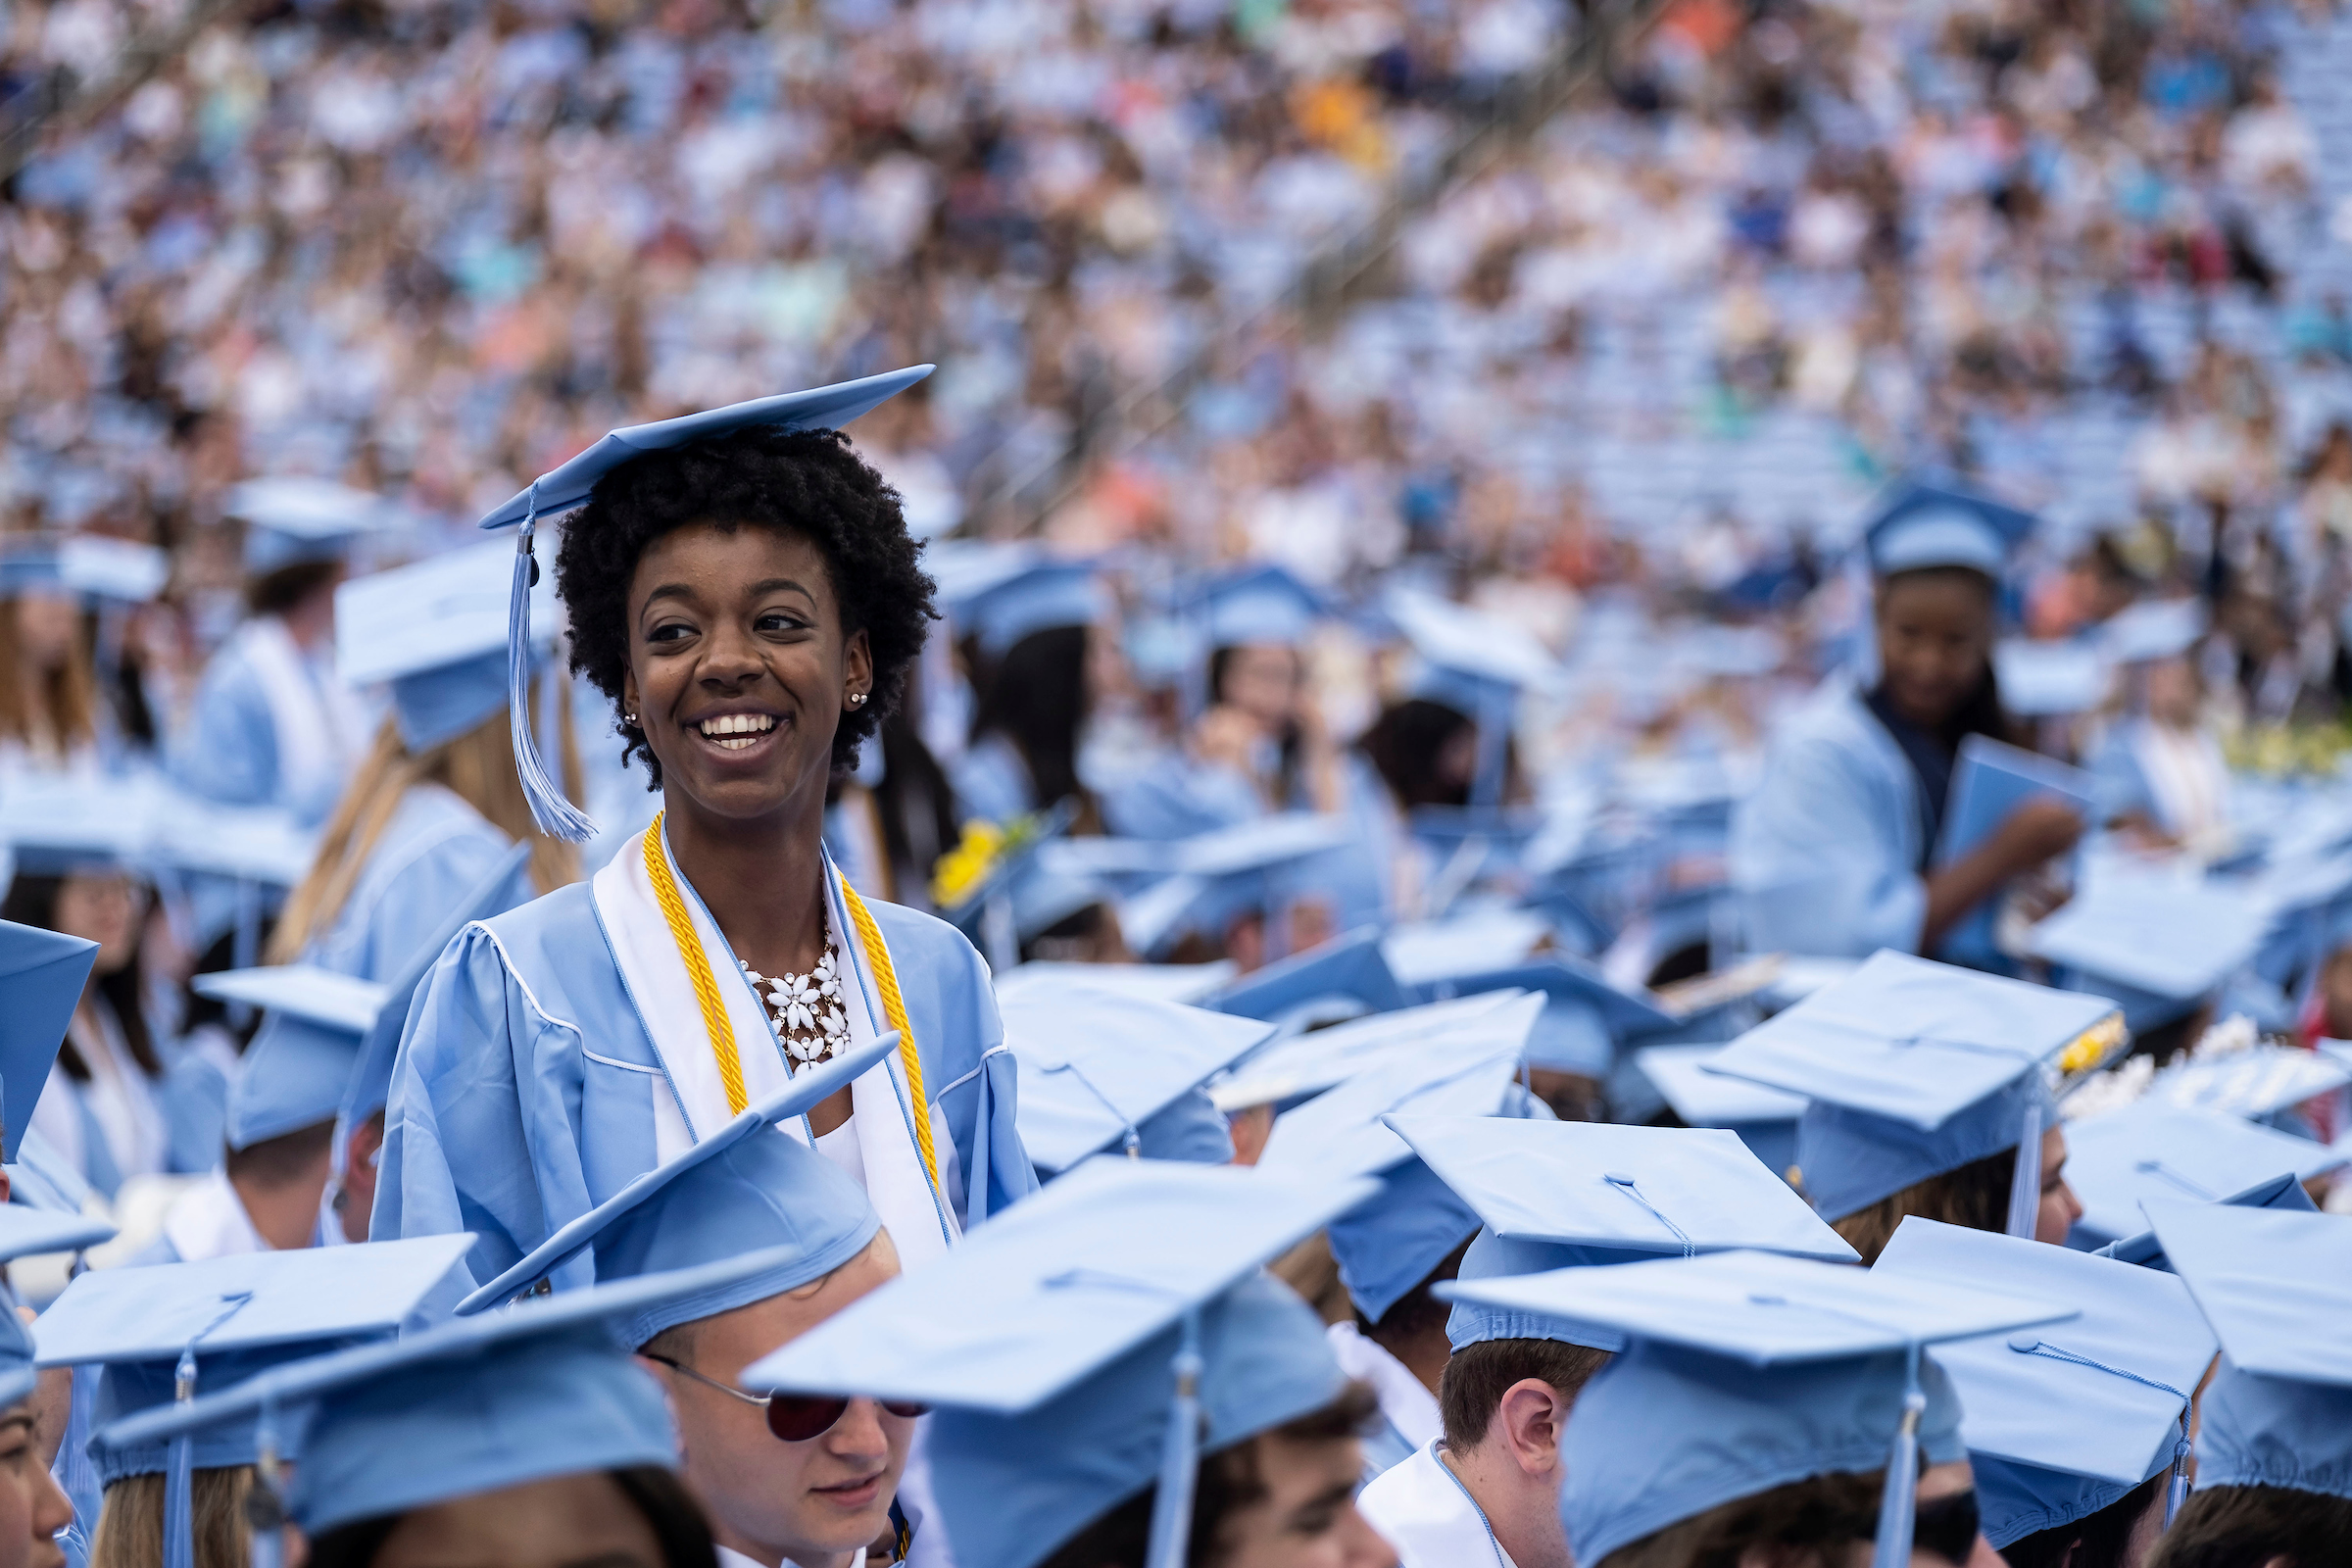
735	732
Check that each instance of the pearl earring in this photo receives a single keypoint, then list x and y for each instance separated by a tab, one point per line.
629	719
856	699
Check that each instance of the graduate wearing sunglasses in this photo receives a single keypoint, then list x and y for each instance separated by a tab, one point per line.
783	1477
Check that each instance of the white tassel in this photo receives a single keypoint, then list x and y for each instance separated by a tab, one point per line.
1896	1503
556	816
2025	1188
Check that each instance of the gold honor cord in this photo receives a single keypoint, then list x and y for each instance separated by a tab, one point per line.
697	969
721	1033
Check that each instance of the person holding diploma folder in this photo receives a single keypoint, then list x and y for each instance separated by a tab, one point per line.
1834	848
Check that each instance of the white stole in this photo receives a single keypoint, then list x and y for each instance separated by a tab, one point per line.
654	973
314	748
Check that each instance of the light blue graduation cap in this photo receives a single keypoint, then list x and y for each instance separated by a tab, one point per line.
2170	940
41	977
748	1187
1301	1066
294	519
64	827
121	571
2151	630
1427	955
27	1230
1914	1069
1096	1065
536	1390
2048	680
570	484
1258	605
1347	970
1926	526
2147	1150
28	565
1584	1016
1747	1371
2061	1421
1477	664
1386	1246
1087	1343
1764	1118
1564	1195
168	1332
2276	1288
436	631
301	1061
1043	596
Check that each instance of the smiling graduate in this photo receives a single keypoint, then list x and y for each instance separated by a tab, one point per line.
743	587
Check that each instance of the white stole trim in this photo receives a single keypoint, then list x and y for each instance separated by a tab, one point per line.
693	1099
314	743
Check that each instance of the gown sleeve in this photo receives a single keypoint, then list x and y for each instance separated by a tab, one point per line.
227	750
1821	851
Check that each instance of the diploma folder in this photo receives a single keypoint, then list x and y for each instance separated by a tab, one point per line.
1990	780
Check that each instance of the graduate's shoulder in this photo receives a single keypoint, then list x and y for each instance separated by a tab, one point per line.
925	942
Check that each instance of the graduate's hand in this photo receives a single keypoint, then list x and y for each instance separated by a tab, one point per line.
1226	735
2037	830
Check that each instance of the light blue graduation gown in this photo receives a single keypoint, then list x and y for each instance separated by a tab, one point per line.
521	1097
431	857
1826	853
228	750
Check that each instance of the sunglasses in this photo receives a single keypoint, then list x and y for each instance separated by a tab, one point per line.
794	1417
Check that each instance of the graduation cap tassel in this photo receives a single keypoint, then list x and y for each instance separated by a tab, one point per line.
265	1508
1172	1508
180	1539
1897	1511
2176	1490
556	816
2025	1187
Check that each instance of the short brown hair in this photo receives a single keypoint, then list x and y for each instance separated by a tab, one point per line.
1479	1375
2247	1527
1975	1196
1229	1482
287	1157
1805	1524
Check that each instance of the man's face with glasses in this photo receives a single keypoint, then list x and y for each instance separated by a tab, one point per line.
808	1480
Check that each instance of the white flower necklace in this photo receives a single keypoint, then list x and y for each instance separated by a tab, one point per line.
807	1009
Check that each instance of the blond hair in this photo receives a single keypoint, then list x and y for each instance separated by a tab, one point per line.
130	1521
477	767
68	700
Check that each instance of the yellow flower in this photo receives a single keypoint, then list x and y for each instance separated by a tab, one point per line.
2090	1047
960	872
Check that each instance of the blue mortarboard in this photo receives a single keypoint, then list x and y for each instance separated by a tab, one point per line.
1476	663
1924	526
1348	968
29	1231
1764	1118
570	484
437	631
2063	1421
101	568
61	827
2151	630
1345	1131
1584	1016
1188	984
748	1187
2147	1150
2163	936
538	1390
1746	1371
1305	1065
41	976
301	1061
231	1317
1560	1195
1427	953
1258	605
1914	1069
1041	596
1097	1065
42	1178
2258	1082
1050	1342
2276	1288
293	519
2041	679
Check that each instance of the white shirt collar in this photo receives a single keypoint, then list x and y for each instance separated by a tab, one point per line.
1422	1509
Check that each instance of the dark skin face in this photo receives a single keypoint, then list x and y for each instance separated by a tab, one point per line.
1934	640
740	668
